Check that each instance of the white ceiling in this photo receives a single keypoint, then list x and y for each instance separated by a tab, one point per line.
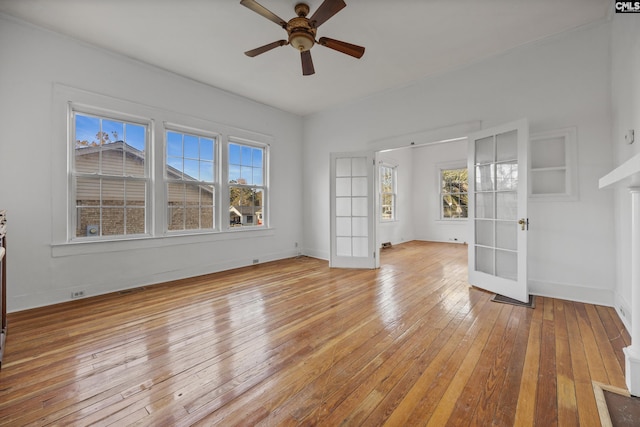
405	40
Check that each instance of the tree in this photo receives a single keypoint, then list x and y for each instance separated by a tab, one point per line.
102	138
455	197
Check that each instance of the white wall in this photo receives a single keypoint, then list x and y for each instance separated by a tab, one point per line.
625	55
427	162
31	61
556	83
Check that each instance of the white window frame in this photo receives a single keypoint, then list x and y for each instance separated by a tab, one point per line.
65	98
394	191
225	193
73	174
440	169
177	128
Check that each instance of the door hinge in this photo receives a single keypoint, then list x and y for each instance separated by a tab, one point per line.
374	255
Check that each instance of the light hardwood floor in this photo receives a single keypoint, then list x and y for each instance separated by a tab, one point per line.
295	343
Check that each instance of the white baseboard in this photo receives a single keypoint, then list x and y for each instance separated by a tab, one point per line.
55	296
316	254
572	292
624	311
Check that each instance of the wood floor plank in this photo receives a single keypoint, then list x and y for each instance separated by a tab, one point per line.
611	363
585	398
482	381
294	342
546	401
507	401
566	391
616	332
526	407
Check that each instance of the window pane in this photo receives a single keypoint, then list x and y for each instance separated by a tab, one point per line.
135	220
245	156
191	170
206	149
206	171
112	193
88	222
87	130
174	144
234	174
88	192
135	137
246	175
192	218
191	147
174	167
112	221
245	206
206	217
454	197
257	176
175	194
112	131
257	158
234	154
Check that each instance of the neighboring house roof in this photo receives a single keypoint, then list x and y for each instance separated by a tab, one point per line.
136	154
244	210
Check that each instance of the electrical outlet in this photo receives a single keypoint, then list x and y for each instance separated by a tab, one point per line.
296	245
622	312
77	294
255	261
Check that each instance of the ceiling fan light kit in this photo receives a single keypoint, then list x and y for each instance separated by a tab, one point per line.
301	31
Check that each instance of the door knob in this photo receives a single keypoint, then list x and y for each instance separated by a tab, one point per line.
523	222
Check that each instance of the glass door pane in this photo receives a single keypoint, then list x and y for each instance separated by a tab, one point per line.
497	255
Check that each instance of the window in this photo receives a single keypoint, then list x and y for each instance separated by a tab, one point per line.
136	172
387	193
190	172
246	182
454	184
110	178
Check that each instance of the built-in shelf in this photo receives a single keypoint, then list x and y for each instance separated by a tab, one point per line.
552	165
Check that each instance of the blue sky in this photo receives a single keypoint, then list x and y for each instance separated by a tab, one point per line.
87	127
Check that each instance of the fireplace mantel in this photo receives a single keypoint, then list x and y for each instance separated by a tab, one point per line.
627	173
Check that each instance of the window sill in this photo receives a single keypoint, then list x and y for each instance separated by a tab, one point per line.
59	250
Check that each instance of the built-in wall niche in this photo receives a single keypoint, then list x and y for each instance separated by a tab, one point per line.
553	165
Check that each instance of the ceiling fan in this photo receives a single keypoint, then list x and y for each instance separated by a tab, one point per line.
302	31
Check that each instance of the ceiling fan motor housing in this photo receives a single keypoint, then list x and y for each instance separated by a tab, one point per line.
302	34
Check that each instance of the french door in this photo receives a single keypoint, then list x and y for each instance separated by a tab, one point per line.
353	243
497	160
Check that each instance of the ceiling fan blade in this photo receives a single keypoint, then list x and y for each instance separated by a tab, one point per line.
267	47
261	10
307	63
326	11
344	47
